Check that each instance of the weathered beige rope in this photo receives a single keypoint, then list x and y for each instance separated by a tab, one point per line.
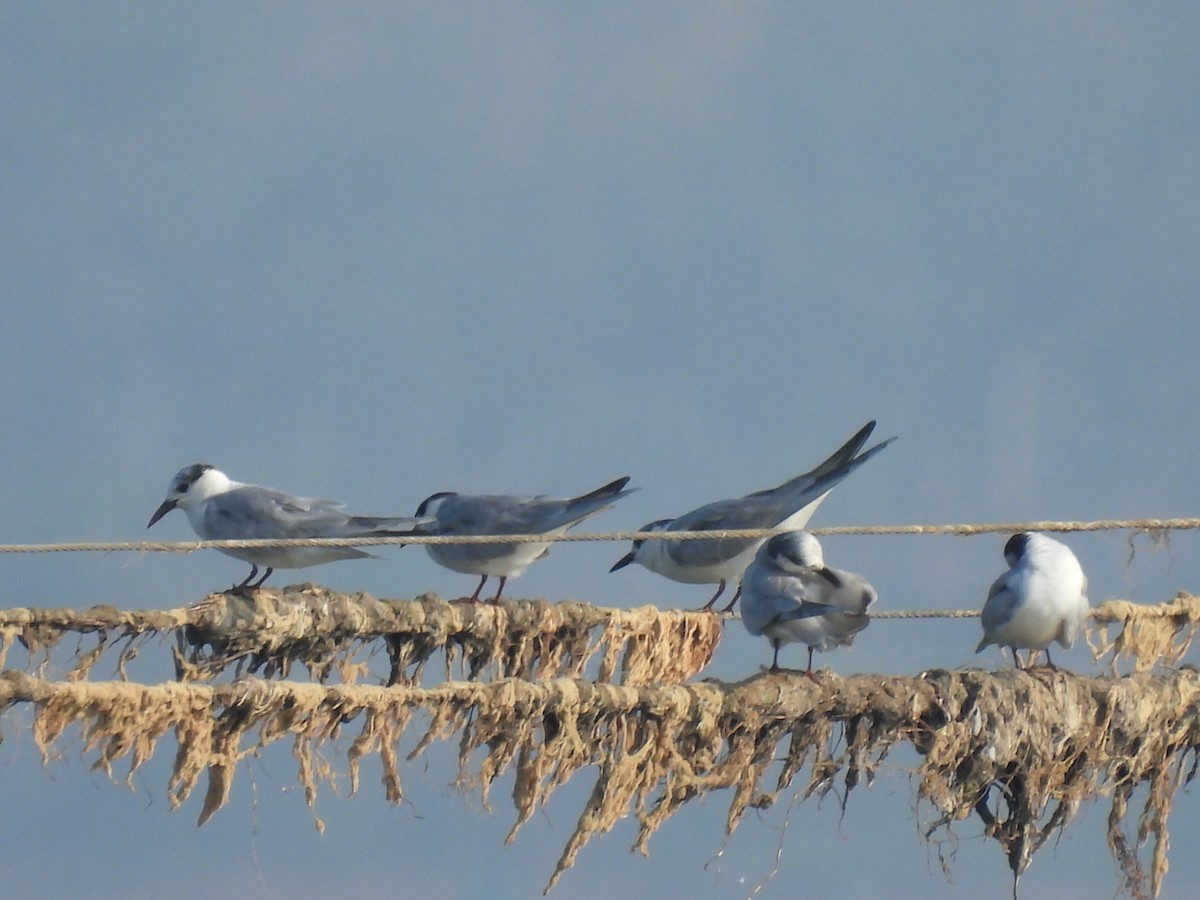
1048	744
1141	525
102	618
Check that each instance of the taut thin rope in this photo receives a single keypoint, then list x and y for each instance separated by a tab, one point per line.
1141	525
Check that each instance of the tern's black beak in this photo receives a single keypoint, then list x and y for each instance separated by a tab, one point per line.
623	561
167	506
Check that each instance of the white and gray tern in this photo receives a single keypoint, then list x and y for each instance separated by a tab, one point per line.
1041	598
479	514
220	508
791	596
718	561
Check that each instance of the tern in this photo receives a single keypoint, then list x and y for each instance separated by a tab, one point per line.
1040	599
721	560
791	596
499	514
220	508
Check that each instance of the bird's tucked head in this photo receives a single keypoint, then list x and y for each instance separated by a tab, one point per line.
1017	547
794	550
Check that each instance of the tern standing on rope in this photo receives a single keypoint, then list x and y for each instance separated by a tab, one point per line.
1041	598
721	560
791	596
220	509
460	514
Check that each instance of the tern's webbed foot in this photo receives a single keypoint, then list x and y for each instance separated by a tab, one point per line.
782	670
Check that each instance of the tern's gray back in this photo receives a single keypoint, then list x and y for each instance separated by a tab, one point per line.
257	513
481	514
764	509
767	508
755	511
510	514
770	595
848	593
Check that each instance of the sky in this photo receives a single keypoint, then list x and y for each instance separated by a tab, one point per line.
373	251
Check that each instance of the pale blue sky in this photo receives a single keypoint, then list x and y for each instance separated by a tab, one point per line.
373	251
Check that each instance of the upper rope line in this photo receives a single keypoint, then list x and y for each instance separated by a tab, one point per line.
1153	526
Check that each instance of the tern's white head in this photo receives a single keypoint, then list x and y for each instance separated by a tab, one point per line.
190	486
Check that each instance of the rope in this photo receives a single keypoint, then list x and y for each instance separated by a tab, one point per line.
1140	525
1147	525
136	622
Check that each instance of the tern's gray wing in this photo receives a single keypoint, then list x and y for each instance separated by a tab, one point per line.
832	592
842	599
501	515
852	596
509	514
512	514
542	514
767	508
844	455
495	514
804	489
769	597
999	607
255	513
744	512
